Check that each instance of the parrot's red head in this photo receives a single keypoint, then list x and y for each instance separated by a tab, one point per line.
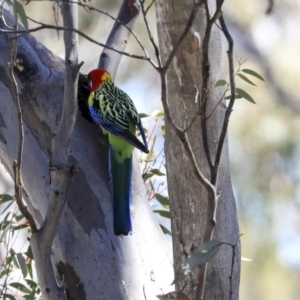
97	77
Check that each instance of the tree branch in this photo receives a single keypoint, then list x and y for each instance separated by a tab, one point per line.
144	12
118	37
205	77
211	222
18	163
48	26
230	105
91	8
60	170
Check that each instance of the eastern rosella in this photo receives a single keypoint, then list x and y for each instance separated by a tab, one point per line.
114	111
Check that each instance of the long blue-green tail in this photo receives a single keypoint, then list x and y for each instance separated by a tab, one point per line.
120	176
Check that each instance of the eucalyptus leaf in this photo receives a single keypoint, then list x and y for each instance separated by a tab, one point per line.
21	13
5	198
20	286
253	73
8	296
220	82
157	172
245	95
245	79
236	97
22	264
143	115
165	230
203	254
164	201
146	176
163	213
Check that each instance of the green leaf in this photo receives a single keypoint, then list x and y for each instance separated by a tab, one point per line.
32	284
20	286
253	73
19	217
7	296
164	201
163	213
146	176
157	172
163	130
165	230
7	207
5	272
14	260
220	82
142	115
245	95
19	9
245	79
200	256
151	185
29	268
5	198
236	97
22	264
160	114
5	231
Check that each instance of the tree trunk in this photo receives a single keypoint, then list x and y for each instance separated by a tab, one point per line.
89	260
191	207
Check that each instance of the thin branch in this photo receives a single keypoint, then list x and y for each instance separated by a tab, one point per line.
91	8
270	7
68	118
184	139
183	35
48	26
178	130
221	98
230	105
144	12
18	163
199	292
60	170
149	6
205	77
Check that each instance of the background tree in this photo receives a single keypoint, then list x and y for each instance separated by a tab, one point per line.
192	97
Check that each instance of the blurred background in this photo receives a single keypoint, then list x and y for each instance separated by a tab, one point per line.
264	138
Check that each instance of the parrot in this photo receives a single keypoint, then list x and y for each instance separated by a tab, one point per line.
114	111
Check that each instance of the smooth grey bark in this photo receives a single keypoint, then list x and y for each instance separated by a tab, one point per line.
90	261
119	36
191	207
